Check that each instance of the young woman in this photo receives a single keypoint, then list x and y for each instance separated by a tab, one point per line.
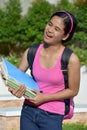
46	110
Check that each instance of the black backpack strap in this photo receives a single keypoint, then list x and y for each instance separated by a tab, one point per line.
64	66
31	55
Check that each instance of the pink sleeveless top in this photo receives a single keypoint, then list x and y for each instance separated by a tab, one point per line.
49	81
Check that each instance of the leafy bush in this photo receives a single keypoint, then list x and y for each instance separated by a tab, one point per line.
34	22
82	54
13	59
81	33
78	40
65	5
9	22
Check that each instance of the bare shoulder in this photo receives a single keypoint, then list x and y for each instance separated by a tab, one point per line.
74	60
26	51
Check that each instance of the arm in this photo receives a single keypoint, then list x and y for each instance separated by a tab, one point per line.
23	65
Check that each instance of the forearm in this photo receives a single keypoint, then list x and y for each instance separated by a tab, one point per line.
64	94
23	65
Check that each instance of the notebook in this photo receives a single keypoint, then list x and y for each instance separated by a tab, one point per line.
14	77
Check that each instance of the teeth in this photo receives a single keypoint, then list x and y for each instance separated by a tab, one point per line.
49	35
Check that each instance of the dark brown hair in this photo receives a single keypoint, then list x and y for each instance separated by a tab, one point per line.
69	22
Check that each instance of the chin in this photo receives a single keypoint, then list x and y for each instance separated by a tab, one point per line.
47	41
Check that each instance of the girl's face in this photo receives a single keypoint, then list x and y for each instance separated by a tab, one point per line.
54	31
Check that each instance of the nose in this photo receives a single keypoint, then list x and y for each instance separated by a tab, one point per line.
51	29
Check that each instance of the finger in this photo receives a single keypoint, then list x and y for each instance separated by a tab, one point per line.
33	90
10	89
26	97
20	91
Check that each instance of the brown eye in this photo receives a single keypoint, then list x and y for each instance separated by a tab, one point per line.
49	23
57	29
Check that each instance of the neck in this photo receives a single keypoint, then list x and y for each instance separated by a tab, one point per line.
53	47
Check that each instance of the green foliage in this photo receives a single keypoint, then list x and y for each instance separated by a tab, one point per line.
34	22
81	16
2	22
78	40
74	126
65	5
81	33
13	59
82	54
9	22
80	2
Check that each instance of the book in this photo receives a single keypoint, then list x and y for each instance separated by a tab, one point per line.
14	77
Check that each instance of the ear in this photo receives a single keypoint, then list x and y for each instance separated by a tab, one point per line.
65	37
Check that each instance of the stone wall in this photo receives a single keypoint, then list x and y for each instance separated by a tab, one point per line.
10	123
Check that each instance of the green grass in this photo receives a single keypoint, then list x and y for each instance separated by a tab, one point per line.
74	126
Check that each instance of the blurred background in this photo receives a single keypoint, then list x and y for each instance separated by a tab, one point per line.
22	24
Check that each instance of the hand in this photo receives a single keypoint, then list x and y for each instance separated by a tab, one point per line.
38	99
18	92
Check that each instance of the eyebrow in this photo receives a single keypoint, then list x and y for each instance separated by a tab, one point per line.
55	26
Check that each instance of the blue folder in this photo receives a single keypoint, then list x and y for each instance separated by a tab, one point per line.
20	76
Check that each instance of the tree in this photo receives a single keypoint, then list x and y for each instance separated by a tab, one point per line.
10	20
33	23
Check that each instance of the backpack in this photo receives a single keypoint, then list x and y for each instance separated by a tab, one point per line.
69	103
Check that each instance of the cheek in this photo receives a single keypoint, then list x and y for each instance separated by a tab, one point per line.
57	35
